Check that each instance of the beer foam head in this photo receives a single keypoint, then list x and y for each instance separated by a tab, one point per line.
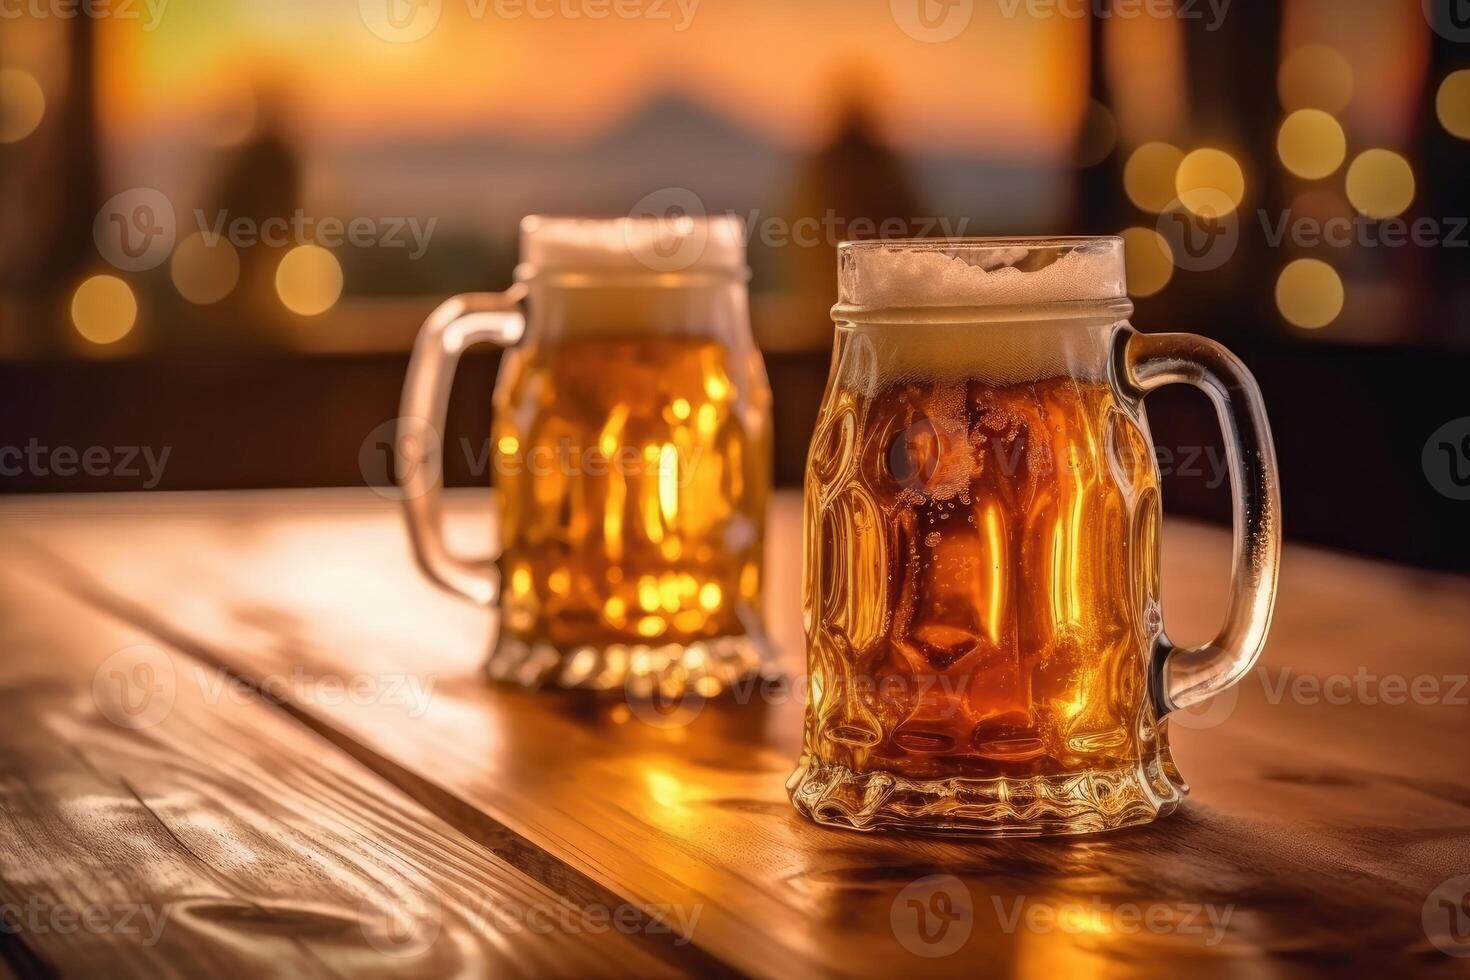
636	245
1029	335
915	274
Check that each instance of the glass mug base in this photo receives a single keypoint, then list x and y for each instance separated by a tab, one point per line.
1086	802
706	667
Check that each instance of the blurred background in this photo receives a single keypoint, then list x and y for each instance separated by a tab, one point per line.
222	221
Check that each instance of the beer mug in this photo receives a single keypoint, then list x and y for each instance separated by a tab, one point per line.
982	519
630	450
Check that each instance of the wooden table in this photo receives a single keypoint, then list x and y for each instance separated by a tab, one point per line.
243	737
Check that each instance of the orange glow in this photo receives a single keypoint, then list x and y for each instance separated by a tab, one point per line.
1310	293
103	309
496	75
1149	259
1208	180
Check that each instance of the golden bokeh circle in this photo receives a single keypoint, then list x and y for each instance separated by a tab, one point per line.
204	272
1149	260
1311	144
1148	176
1205	178
103	309
1099	135
1380	184
309	280
22	104
1452	104
1310	294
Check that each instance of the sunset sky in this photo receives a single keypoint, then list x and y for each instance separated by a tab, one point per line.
1010	85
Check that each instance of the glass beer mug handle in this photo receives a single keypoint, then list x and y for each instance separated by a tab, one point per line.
471	318
1185	676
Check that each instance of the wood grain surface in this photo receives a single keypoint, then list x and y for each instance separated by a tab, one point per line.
160	818
1329	799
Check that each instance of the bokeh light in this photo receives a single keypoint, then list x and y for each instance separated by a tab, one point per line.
1099	135
1316	77
1150	261
22	104
103	309
1452	104
1309	293
1311	144
1208	177
309	280
1380	183
202	272
1148	177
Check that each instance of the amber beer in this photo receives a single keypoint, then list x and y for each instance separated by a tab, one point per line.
633	481
981	522
978	579
630	453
